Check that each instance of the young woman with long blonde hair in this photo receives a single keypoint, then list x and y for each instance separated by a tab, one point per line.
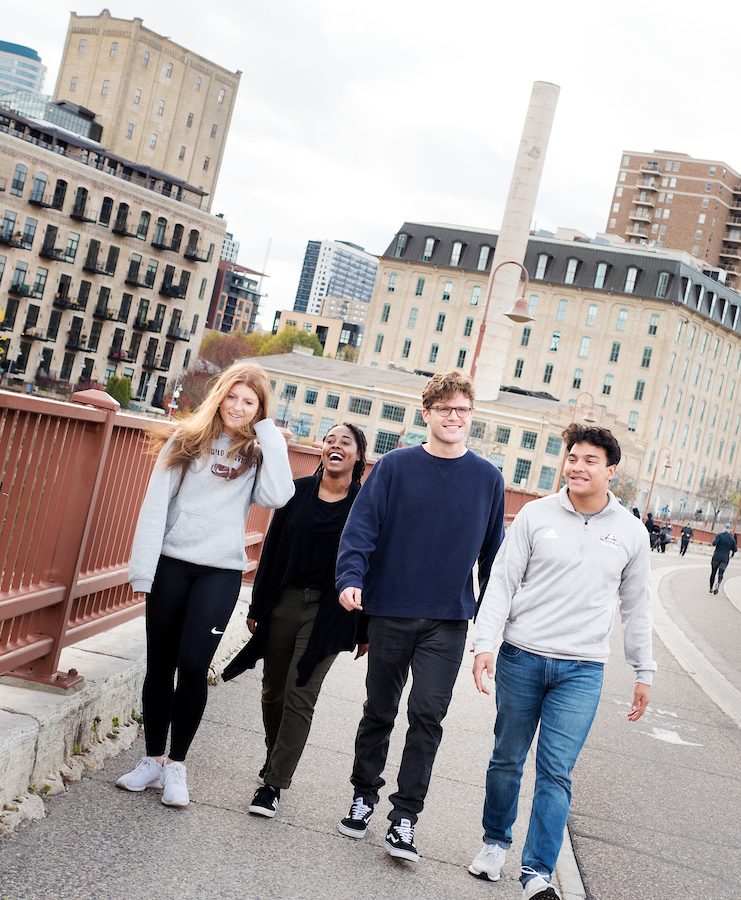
188	557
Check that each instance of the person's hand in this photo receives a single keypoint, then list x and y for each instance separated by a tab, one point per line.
351	599
140	596
483	662
252	625
360	650
641	695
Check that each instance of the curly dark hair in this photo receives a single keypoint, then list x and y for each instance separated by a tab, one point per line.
597	437
358	470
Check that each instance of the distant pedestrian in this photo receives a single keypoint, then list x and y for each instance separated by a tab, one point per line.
424	517
665	537
686	536
298	626
725	547
188	557
649	522
567	561
636	512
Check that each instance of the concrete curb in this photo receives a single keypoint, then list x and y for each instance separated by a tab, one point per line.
49	737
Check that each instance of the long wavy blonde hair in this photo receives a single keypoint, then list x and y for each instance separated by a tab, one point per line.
194	435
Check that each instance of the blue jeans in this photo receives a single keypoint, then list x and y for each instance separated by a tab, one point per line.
562	695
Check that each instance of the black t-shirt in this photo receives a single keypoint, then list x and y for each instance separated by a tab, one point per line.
327	523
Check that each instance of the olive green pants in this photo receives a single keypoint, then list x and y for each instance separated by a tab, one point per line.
287	710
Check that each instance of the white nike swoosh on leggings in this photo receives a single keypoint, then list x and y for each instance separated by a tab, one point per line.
214	631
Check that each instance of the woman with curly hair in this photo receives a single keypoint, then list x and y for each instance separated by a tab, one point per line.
297	624
188	557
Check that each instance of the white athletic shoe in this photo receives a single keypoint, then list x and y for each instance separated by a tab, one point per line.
488	864
175	791
539	889
147	774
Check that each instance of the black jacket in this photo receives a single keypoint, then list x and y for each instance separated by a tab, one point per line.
334	628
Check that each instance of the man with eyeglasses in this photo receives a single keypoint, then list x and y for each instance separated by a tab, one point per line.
424	517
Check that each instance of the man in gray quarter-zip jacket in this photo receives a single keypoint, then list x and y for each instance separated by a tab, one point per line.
566	562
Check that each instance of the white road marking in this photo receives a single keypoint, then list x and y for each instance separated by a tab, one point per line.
671	737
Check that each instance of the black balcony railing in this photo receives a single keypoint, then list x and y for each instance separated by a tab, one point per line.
76	341
195	252
172	290
178	334
95	267
12	239
151	362
79	212
118	355
39	198
121	227
105	315
134	278
49	252
65	302
33	334
143	324
20	288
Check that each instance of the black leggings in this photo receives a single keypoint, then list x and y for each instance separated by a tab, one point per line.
717	566
187	611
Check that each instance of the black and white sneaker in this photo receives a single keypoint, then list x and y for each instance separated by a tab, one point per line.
355	823
400	840
266	800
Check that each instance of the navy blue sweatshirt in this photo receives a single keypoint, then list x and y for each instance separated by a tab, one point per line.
416	529
725	544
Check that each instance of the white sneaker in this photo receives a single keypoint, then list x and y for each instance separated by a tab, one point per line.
539	889
175	787
488	864
147	774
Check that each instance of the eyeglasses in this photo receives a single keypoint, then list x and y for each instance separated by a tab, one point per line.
463	412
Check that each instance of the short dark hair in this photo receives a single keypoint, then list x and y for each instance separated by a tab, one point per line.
597	437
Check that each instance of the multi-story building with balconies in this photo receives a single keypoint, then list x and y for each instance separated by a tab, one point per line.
674	201
106	266
650	337
235	301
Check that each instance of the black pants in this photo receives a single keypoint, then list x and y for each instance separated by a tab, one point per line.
685	545
187	611
717	566
433	649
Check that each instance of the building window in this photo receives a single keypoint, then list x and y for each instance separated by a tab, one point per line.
468	327
563	305
541	267
455	253
555	340
547	476
137	96
401	242
519	363
412	320
222	95
653	324
206	163
646	358
607	384
591	314
161	108
214	129
420	287
600	275
73	84
461	359
440	324
145	59
181	152
584	347
419	422
632	420
548	373
475	295
615	351
631	277
434	350
429	248
129	131
81	46
662	285
447	291
622	320
106	87
153	140
522	472
379	343
386	309
189	120
311	395
532	304
483	258
572	266
168	70
332	401
553	445
640	388
405	348
385	441
359	406
576	380
503	434
393	412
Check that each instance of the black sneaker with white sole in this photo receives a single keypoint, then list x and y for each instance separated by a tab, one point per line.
355	823
265	802
400	840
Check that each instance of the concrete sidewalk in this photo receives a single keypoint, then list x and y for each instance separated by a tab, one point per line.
97	841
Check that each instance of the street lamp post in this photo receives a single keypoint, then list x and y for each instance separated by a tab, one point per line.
667	465
518	313
589	417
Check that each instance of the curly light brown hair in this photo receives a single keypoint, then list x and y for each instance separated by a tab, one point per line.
447	384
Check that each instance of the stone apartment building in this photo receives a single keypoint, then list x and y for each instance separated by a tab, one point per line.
158	102
106	265
680	203
647	338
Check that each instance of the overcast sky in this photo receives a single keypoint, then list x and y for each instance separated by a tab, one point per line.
352	118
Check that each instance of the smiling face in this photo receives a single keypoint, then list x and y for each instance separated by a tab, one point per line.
340	451
587	472
448	429
240	407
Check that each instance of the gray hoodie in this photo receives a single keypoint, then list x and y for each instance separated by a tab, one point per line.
557	579
200	519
